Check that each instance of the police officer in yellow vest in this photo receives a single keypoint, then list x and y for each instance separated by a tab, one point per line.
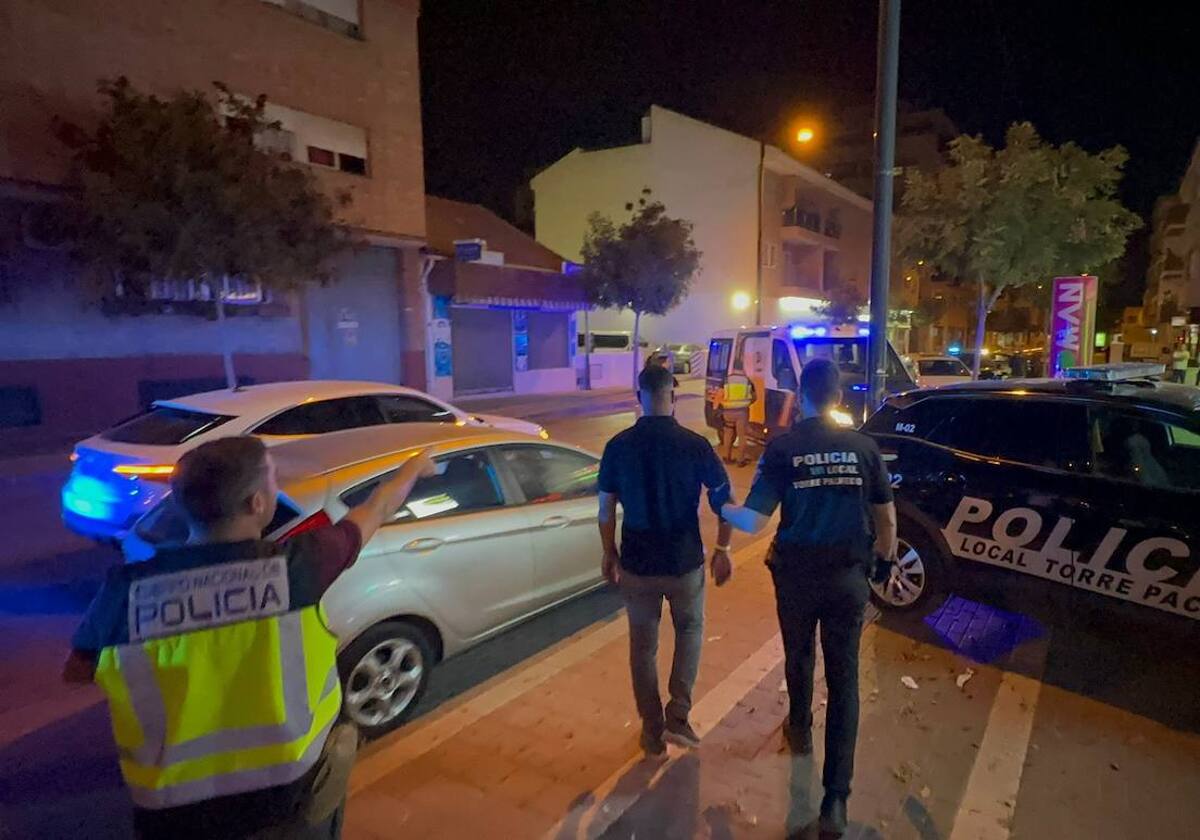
736	398
218	664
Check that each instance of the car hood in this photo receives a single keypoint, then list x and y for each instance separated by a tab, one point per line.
509	424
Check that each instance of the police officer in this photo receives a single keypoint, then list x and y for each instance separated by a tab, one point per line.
736	398
216	657
837	517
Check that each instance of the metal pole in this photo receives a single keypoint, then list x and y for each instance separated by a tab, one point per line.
887	72
758	286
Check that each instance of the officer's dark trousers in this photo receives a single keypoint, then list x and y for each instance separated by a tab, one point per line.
835	600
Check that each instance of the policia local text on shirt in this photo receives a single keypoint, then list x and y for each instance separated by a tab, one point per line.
837	517
218	663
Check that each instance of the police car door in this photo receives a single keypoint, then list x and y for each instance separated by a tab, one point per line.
1136	510
756	362
996	493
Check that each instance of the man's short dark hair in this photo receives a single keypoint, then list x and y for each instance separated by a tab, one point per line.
212	481
821	382
655	380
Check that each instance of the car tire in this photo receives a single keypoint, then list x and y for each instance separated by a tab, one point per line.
922	573
384	674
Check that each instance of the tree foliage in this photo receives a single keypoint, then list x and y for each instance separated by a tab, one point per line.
1014	216
177	188
645	264
844	302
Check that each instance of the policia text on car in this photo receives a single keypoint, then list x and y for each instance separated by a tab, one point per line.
837	516
218	664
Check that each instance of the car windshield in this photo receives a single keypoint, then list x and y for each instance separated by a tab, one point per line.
849	354
942	367
164	426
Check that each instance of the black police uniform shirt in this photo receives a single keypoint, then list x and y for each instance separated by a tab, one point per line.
657	470
826	479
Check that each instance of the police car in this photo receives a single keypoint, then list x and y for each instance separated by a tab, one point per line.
772	358
1088	486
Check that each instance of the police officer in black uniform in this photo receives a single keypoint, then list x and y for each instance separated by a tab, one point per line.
838	521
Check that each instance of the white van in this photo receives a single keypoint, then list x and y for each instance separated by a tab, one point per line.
772	357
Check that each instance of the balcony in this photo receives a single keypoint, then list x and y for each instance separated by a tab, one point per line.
1176	219
808	226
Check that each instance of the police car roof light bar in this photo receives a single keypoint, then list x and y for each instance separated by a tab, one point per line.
1115	372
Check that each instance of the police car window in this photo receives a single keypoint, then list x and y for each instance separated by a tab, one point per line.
781	366
464	483
317	418
1018	430
1144	450
164	425
551	474
400	408
718	356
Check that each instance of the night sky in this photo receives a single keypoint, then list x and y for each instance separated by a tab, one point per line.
509	86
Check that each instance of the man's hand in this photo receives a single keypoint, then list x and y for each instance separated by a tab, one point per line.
424	465
610	566
722	567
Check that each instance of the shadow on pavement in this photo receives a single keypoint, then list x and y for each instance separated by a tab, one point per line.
1117	655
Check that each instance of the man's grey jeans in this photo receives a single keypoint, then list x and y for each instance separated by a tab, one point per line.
643	604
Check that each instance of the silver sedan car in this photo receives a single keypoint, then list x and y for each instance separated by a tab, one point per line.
505	530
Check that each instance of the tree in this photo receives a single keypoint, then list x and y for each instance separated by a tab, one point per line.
845	303
178	189
645	264
1014	216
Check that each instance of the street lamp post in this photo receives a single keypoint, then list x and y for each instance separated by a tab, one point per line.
758	284
885	164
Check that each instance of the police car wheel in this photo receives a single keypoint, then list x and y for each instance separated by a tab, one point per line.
915	579
384	673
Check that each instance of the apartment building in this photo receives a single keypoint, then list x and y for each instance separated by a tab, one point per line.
738	193
342	79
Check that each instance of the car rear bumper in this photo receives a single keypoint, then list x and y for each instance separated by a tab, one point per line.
106	511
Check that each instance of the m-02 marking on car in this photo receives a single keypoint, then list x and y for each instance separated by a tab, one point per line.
1156	571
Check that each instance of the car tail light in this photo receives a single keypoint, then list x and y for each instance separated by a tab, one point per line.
154	472
320	519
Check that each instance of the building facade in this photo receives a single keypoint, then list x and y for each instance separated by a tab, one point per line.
765	224
342	79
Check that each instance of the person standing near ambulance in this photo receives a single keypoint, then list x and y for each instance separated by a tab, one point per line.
736	398
217	661
837	518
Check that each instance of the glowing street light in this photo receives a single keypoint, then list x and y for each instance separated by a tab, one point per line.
741	301
805	135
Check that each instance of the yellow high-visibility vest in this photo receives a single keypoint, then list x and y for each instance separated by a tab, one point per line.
738	392
225	681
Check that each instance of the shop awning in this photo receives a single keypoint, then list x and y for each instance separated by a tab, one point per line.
495	285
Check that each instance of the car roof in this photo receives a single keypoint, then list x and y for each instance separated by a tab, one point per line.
1137	392
273	396
321	454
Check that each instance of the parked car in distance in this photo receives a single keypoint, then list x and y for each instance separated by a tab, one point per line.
122	472
1080	491
504	531
688	358
992	365
934	371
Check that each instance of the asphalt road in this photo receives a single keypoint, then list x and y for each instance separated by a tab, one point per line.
60	776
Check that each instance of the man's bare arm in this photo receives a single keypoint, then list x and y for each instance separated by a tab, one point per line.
885	530
390	495
609	565
722	565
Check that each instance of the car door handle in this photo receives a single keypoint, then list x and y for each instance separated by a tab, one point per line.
556	522
947	477
423	544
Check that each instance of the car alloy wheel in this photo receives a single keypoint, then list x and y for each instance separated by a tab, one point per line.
384	683
908	581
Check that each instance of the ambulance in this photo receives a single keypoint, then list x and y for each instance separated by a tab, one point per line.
772	358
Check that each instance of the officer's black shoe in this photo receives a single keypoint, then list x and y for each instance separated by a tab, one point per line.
797	740
833	815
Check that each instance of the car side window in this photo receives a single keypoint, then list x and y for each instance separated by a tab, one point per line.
1020	430
917	420
551	474
464	483
401	408
324	416
781	366
1144	450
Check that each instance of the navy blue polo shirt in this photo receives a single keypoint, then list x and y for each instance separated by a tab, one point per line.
657	470
826	479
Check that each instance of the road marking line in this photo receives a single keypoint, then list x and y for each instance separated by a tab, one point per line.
430	732
989	801
609	801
